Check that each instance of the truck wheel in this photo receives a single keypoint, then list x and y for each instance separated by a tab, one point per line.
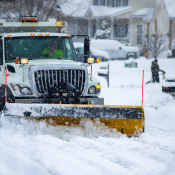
173	53
2	101
10	97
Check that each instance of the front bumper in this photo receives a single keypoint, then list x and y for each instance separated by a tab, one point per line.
170	89
96	100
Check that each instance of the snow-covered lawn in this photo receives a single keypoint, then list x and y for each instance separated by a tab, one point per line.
34	148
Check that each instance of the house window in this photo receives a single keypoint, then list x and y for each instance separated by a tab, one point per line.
121	31
110	3
118	3
139	34
121	3
125	2
99	2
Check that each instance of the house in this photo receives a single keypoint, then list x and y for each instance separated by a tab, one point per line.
131	21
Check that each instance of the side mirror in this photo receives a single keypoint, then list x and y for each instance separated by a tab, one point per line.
86	49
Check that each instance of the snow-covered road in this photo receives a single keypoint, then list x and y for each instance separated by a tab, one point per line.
35	148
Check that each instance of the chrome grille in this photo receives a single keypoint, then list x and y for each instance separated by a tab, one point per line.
51	78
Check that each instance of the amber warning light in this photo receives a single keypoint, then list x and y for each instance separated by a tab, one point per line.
60	23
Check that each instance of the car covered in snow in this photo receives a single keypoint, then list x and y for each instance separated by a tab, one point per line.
94	53
115	49
169	86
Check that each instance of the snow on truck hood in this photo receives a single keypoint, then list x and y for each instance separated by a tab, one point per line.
48	62
36	34
52	61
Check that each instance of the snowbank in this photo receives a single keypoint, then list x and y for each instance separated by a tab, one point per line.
13	162
163	117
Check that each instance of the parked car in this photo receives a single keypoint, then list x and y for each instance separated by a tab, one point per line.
115	49
94	53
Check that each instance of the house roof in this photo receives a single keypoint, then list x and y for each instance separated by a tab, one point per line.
96	11
145	13
170	7
102	11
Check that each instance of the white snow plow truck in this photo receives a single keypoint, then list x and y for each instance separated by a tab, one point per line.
41	78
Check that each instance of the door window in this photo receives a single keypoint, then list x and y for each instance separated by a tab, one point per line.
1	52
99	2
139	34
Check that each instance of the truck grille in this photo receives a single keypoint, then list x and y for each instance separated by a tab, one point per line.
51	78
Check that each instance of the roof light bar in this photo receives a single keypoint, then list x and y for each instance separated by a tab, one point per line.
29	19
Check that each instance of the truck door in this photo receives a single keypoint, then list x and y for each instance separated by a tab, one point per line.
2	79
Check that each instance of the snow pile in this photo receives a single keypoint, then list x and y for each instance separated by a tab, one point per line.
19	163
126	83
163	117
86	128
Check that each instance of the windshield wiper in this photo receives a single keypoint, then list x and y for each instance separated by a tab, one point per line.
11	58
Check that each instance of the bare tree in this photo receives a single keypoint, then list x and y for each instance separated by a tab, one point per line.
41	8
157	44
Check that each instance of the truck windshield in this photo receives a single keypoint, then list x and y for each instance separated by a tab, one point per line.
39	47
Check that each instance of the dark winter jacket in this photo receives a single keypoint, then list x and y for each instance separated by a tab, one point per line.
154	67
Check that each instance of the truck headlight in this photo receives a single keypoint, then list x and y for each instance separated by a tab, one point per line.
24	61
92	90
26	91
90	60
15	87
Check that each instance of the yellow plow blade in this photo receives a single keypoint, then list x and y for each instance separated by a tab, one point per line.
126	119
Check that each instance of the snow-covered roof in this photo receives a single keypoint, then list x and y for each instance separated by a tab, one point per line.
170	7
100	11
145	13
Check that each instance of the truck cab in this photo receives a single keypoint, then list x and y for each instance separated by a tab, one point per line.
41	66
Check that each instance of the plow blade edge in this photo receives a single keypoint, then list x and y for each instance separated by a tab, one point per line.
126	119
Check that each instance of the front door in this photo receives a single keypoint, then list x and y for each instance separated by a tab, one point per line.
2	73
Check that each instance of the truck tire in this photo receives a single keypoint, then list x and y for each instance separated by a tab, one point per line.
2	97
173	53
10	97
